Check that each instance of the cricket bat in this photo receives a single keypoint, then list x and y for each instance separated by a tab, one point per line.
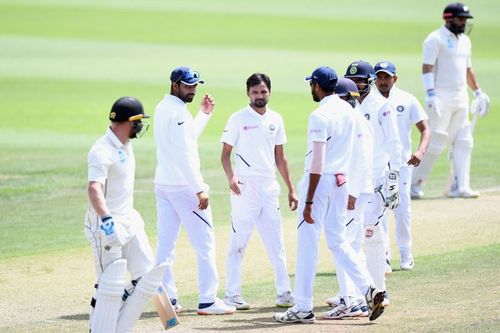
168	316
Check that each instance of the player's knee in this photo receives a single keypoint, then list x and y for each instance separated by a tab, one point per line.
464	138
439	140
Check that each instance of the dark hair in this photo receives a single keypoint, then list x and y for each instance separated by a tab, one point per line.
256	79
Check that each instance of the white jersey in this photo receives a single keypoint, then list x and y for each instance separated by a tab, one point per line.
361	165
333	123
386	146
254	138
409	111
451	56
176	136
112	164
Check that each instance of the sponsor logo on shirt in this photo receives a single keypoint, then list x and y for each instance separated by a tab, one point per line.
180	123
314	130
386	113
250	127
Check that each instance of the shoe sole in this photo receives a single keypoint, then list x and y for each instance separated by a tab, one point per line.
347	316
284	305
378	307
201	313
297	321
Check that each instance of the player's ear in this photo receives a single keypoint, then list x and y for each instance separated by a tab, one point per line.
395	78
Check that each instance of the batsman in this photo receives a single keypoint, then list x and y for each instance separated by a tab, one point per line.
114	229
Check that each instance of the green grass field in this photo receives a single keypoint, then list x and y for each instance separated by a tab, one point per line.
63	63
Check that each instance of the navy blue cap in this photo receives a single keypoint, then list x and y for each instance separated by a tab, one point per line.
385	66
346	87
456	9
326	77
185	75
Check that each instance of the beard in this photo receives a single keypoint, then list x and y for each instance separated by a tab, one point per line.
188	98
315	97
260	103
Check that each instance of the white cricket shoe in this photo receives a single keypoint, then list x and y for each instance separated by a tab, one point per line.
416	192
407	263
333	301
386	301
363	307
466	194
342	311
374	299
285	300
295	316
237	301
218	308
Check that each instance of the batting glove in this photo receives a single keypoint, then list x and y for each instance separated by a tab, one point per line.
113	234
431	104
481	103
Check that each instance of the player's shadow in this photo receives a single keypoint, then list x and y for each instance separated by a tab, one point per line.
78	316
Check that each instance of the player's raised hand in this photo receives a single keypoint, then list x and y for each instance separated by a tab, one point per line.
202	200
207	104
307	214
293	200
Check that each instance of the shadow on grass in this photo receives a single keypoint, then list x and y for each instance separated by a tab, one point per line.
78	316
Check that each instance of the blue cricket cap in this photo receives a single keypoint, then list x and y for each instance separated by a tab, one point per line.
346	87
385	66
326	77
185	75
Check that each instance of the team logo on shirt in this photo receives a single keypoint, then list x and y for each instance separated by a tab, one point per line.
367	116
249	127
272	127
400	108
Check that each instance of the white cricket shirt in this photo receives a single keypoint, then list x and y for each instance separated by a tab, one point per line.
112	164
386	146
332	122
254	138
361	165
451	56
409	111
176	137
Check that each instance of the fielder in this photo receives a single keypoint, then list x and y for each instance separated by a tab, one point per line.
181	194
323	200
349	302
115	229
386	165
446	73
254	189
408	111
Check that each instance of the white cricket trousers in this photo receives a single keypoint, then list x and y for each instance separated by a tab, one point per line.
354	225
181	208
403	211
136	251
329	212
257	205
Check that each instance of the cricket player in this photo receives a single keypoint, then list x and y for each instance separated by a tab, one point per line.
386	165
360	190
115	230
323	196
446	73
254	189
181	194
409	112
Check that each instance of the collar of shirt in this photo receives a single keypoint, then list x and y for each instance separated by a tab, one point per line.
445	31
326	99
114	139
175	100
254	113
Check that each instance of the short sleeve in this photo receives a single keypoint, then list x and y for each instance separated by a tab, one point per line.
317	128
230	133
281	134
98	164
431	49
417	113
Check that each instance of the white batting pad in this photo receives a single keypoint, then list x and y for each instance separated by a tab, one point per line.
144	290
375	254
108	297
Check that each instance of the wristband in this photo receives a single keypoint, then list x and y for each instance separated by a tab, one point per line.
428	81
309	202
477	92
106	217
